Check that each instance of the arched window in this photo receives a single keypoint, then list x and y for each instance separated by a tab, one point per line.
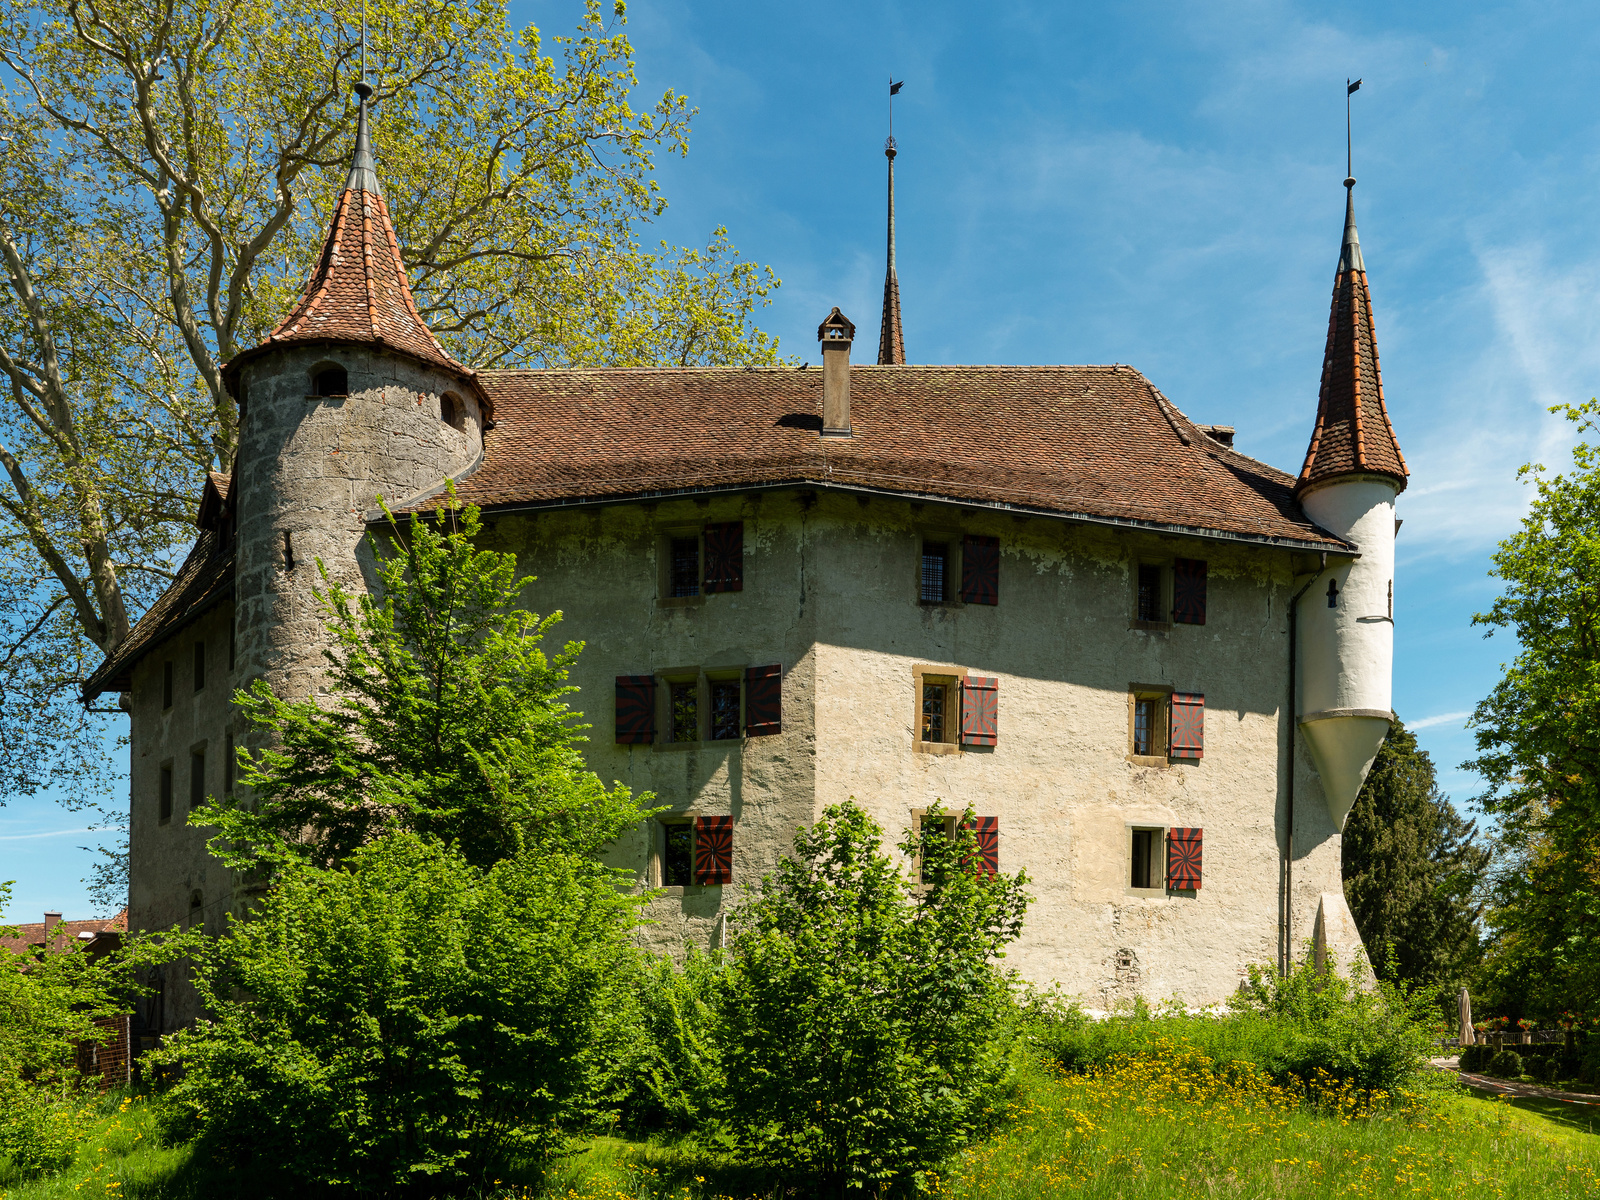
452	411
331	381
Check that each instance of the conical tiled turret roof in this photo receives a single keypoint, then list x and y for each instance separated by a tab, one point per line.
1353	435
358	291
891	341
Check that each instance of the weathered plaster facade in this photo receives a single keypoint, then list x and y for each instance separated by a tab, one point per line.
830	590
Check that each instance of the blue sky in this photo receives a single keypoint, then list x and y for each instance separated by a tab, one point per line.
1159	185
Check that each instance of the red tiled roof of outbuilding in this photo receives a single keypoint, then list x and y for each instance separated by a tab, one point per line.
358	291
1353	435
1098	443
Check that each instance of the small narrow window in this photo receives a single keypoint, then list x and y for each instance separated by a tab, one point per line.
164	797
332	381
199	666
685	712
452	411
677	855
197	779
935	709
724	709
1149	606
1391	599
935	572
685	567
166	685
1333	593
1147	725
288	551
227	767
1143	847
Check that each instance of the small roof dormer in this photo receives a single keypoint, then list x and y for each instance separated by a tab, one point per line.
1353	435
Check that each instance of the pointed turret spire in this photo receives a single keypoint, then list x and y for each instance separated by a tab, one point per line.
1353	435
358	291
891	341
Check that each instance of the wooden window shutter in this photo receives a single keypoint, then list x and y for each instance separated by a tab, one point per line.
713	850
725	557
987	832
1189	591
980	570
1183	859
763	700
636	710
980	710
1188	735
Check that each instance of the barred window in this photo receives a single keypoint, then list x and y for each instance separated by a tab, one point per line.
935	572
685	567
685	712
724	709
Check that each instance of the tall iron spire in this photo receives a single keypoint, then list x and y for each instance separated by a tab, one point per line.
891	339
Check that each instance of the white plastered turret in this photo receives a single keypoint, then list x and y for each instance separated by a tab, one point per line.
1347	640
1352	474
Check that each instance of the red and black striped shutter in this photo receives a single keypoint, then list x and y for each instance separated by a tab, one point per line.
713	850
980	570
1189	591
980	711
987	832
725	557
763	700
636	710
1188	738
1183	859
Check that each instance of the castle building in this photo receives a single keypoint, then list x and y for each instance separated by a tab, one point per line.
1156	669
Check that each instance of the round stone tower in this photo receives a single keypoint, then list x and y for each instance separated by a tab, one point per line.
1352	474
350	401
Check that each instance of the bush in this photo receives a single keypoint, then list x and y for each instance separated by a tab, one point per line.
1472	1057
863	1022
1505	1064
1544	1069
410	1023
671	1079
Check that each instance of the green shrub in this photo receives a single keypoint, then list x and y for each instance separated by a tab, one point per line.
1473	1057
864	1026
670	1076
408	1023
1506	1064
1544	1068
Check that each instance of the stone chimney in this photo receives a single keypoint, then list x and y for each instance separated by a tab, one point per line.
836	333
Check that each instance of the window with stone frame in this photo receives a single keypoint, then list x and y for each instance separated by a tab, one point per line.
677	853
164	794
1149	710
197	779
683	697
683	567
1144	866
725	717
939	716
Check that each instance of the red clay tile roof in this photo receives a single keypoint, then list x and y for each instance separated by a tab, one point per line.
1352	434
1096	443
358	291
204	581
65	933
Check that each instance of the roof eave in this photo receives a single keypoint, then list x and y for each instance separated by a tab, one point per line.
1331	546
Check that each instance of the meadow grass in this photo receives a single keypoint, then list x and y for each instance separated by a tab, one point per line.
1165	1123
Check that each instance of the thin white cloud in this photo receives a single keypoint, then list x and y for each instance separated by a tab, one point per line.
1455	718
25	837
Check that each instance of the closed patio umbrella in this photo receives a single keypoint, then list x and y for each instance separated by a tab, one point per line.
1464	1001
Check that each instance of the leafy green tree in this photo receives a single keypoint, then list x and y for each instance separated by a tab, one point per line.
1538	733
447	718
167	175
410	1025
863	1022
50	1001
1413	869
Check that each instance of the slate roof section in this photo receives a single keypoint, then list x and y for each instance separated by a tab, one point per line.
1353	435
204	581
358	291
1096	442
